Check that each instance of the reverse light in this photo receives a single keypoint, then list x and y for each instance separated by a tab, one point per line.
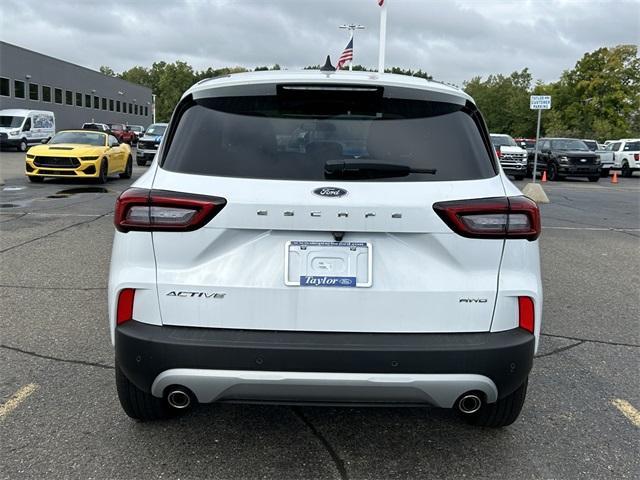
158	210
526	314
125	305
497	218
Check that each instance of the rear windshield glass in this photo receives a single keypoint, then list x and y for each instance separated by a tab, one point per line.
299	135
591	144
632	147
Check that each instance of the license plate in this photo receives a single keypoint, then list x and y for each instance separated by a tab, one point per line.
327	264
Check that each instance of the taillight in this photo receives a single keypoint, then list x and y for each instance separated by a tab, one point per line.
498	152
502	217
125	305
636	156
158	210
526	313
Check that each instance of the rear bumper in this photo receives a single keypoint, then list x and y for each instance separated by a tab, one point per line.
223	364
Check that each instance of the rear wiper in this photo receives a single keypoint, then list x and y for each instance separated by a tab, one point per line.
341	169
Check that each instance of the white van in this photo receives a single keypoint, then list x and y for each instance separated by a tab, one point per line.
20	128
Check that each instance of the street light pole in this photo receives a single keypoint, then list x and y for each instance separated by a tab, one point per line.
352	27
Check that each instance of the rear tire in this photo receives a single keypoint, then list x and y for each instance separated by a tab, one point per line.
128	169
36	179
501	413
626	171
140	405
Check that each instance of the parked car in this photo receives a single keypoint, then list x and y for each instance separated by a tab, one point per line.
405	272
21	128
626	155
81	154
567	157
149	143
512	158
138	130
98	127
122	133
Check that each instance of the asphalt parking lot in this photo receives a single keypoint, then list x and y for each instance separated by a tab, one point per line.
60	417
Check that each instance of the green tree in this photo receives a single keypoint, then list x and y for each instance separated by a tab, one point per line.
105	70
139	75
599	98
504	102
173	80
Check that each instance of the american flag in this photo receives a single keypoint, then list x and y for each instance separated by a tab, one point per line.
347	55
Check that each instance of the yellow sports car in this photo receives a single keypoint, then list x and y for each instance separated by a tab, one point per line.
79	154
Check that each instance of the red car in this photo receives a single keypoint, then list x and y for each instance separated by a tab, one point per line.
122	132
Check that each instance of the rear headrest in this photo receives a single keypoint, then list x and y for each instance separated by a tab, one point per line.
244	132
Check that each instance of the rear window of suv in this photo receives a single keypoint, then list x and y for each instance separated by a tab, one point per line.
294	135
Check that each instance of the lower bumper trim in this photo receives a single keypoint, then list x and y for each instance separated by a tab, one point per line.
438	390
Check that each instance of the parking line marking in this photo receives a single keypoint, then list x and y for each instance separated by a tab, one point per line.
16	399
627	410
45	214
595	229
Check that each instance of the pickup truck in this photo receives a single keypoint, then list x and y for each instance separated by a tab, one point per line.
605	154
122	132
626	155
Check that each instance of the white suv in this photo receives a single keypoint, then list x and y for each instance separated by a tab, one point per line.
339	238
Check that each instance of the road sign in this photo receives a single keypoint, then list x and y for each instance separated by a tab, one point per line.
540	102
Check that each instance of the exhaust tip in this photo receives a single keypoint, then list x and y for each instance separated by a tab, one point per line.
178	399
469	403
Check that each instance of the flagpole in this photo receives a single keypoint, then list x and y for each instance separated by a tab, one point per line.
353	52
383	36
352	27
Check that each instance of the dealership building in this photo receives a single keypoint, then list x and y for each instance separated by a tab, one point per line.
75	94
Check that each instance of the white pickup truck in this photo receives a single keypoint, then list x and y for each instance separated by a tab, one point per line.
626	155
513	158
605	154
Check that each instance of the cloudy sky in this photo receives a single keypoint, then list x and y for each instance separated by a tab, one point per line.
453	40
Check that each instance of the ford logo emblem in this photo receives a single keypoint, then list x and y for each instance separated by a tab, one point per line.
330	192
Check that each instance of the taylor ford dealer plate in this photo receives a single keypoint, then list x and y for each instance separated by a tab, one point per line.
327	264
